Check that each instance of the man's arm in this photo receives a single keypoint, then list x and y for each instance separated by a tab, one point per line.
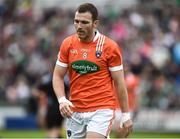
119	82
58	81
58	85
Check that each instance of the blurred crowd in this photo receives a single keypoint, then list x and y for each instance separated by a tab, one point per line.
148	34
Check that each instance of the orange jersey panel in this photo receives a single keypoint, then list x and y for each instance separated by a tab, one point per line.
89	67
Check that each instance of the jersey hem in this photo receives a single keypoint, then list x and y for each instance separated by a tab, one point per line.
91	109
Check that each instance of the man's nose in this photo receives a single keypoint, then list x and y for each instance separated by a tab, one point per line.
79	25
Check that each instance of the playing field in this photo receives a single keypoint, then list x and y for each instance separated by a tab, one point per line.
42	134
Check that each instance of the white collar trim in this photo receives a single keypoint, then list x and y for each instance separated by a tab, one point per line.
96	36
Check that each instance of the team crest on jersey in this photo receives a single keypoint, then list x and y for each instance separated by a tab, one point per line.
100	45
84	67
98	54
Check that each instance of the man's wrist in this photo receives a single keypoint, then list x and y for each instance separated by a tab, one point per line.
64	100
125	117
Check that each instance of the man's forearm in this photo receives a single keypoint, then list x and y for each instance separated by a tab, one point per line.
58	85
123	98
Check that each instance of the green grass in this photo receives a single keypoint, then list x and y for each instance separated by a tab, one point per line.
42	134
154	135
22	134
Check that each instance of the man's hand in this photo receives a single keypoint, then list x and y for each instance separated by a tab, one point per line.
126	129
126	125
64	107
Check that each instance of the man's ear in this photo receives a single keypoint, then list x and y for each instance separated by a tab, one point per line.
96	23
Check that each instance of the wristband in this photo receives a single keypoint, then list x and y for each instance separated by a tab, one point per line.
64	100
125	117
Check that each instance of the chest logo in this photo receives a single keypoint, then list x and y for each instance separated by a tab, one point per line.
84	67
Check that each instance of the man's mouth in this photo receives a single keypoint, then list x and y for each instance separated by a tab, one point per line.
80	32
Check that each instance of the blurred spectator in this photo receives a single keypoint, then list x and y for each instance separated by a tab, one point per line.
176	53
49	116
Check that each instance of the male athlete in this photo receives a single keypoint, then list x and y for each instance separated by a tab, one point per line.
94	65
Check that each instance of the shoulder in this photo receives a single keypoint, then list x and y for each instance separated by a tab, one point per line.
110	41
111	44
68	41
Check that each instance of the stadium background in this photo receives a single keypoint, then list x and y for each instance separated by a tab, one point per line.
147	30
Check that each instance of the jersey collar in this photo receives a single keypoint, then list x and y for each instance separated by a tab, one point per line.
96	36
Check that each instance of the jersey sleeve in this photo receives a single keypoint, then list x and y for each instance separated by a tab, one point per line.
62	58
115	61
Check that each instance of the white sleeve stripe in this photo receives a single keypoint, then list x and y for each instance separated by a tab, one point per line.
61	64
116	68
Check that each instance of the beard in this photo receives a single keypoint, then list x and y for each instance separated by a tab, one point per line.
82	35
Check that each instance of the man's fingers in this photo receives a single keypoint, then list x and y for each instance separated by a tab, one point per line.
68	112
65	110
128	125
123	132
70	103
126	128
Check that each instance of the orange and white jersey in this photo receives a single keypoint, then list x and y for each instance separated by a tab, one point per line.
89	65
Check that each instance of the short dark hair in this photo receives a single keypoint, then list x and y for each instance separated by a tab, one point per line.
88	7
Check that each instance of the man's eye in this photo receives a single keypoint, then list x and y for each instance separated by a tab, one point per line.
76	21
84	22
